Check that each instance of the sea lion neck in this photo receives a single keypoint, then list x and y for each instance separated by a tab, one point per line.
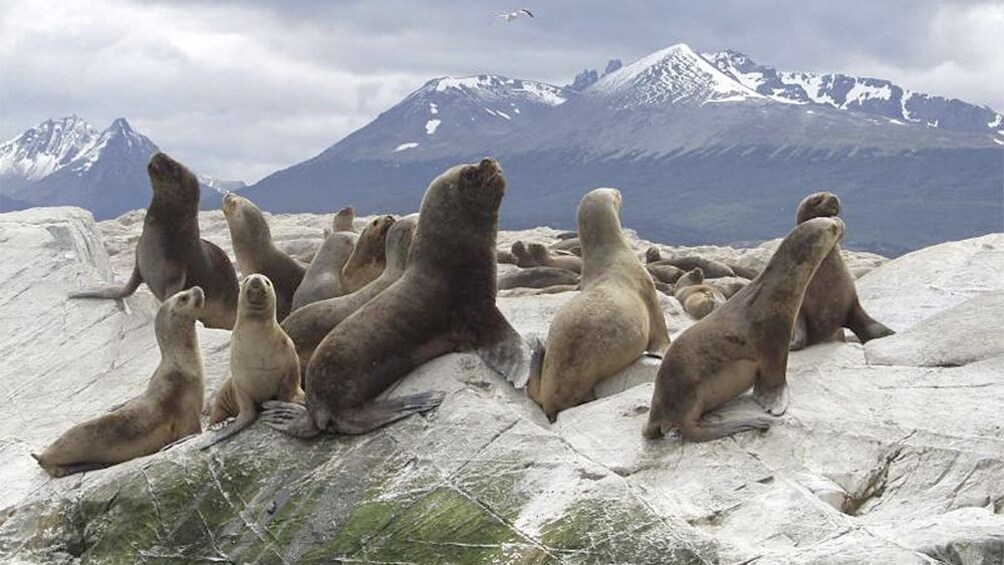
601	238
177	339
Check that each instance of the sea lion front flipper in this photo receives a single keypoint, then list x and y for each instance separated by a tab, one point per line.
771	387
245	418
289	418
800	334
506	351
111	291
378	413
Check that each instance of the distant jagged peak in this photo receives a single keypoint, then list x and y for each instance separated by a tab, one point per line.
676	74
493	87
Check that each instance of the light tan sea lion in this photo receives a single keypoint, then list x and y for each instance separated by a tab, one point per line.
523	257
170	256
345	220
263	362
323	277
369	256
831	300
256	253
505	256
308	325
664	273
537	277
545	258
697	298
165	412
612	322
444	302
743	343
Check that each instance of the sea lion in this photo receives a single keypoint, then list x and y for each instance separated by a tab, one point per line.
505	256
170	256
614	319
165	412
712	269
369	256
831	300
323	277
252	241
741	344
652	254
664	273
444	301
544	258
345	220
729	286
537	277
567	235
573	246
308	325
556	289
263	361
698	299
522	255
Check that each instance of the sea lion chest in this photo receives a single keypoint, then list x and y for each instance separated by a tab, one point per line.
259	354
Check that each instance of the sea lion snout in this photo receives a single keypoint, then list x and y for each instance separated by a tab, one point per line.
257	288
198	296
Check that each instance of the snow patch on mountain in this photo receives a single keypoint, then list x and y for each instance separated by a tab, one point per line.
41	150
431	126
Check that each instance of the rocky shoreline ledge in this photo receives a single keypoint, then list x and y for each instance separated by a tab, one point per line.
890	453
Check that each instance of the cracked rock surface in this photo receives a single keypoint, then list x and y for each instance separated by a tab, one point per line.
892	452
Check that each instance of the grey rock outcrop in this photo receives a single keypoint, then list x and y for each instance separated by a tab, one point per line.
874	462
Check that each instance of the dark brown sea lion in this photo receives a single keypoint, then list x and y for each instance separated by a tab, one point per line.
831	300
323	278
743	343
369	256
170	256
444	302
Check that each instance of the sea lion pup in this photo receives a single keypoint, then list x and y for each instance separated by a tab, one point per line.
712	269
308	325
522	254
256	253
345	220
741	344
165	412
573	246
263	362
614	319
323	277
369	256
537	277
665	273
444	302
170	256
831	300
698	299
545	258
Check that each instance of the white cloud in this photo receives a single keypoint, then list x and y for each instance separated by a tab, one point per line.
240	89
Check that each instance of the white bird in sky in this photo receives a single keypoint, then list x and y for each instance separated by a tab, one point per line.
510	16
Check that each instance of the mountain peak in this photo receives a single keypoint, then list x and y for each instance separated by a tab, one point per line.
672	75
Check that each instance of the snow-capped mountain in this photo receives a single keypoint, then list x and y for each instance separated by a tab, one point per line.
706	149
858	94
69	162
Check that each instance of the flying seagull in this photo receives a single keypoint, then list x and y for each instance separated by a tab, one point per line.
510	16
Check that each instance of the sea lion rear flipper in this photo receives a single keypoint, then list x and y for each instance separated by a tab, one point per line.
707	431
378	413
864	326
111	291
507	352
289	418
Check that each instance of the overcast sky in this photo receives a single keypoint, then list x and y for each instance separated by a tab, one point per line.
239	89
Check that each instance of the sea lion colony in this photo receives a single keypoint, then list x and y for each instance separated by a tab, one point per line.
406	290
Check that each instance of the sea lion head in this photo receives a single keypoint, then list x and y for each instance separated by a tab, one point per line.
399	242
375	232
801	251
652	254
176	317
257	297
344	219
691	278
538	252
458	220
818	205
598	217
519	250
172	183
245	219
